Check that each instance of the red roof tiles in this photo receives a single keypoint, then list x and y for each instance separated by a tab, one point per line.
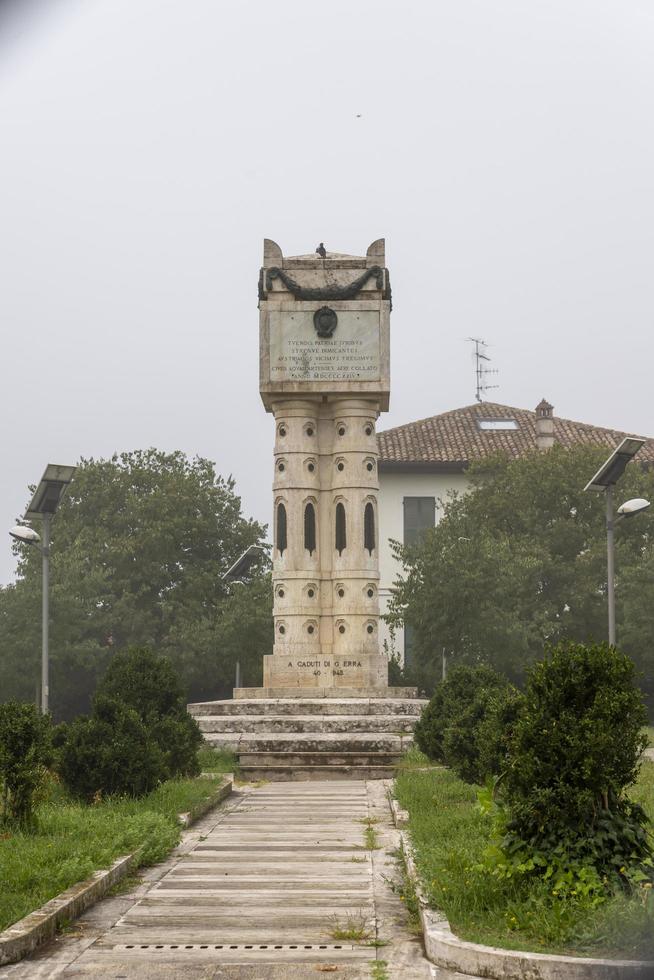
451	440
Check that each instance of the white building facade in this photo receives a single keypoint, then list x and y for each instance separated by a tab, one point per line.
423	463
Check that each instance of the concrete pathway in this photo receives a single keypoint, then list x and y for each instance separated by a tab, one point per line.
280	882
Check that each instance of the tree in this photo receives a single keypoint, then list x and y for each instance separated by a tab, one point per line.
520	561
140	544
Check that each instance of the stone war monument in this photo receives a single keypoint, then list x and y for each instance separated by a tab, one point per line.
325	376
325	707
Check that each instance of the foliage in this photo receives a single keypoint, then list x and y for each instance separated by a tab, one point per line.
494	731
447	730
111	752
139	547
72	840
450	833
24	754
395	671
141	680
574	750
138	734
520	561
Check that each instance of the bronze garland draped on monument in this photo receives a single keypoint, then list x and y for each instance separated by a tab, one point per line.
324	292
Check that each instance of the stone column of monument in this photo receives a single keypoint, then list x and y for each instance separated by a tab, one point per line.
324	345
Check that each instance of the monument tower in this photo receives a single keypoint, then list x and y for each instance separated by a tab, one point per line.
324	375
325	710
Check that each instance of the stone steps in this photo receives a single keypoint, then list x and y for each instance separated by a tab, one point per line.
306	773
330	693
224	724
332	758
310	742
310	706
311	738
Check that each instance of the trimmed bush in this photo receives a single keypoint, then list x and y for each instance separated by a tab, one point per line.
140	679
110	752
495	730
447	728
139	733
574	751
179	739
24	754
137	677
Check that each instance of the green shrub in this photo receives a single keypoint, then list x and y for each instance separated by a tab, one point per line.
447	728
179	739
139	733
574	751
112	752
24	753
495	730
140	679
150	686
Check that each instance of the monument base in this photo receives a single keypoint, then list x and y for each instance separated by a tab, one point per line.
338	693
308	673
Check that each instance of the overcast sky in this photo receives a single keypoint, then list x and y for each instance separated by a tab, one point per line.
504	149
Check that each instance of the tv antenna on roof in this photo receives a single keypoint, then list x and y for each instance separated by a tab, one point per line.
481	371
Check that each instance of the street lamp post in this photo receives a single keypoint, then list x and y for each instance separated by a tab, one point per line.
44	503
237	573
604	480
610	563
45	616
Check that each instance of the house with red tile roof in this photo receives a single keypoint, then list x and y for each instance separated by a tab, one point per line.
422	463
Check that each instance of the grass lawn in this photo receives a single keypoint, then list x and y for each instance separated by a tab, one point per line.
71	840
449	835
650	733
217	760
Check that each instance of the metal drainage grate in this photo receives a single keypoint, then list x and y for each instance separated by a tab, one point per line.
257	946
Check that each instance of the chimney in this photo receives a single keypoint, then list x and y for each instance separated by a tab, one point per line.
544	426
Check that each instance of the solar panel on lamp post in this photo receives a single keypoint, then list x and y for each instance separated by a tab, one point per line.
43	505
604	480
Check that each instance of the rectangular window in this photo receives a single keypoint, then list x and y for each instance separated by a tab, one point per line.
419	516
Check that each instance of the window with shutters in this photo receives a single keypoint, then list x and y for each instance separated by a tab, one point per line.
419	516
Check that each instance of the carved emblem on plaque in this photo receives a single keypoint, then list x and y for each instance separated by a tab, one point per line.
325	321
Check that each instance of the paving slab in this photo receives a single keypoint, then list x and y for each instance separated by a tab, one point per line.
276	884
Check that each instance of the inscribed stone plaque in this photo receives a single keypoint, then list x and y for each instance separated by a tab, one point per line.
297	353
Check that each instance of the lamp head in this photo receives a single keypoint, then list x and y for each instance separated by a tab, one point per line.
632	507
24	534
